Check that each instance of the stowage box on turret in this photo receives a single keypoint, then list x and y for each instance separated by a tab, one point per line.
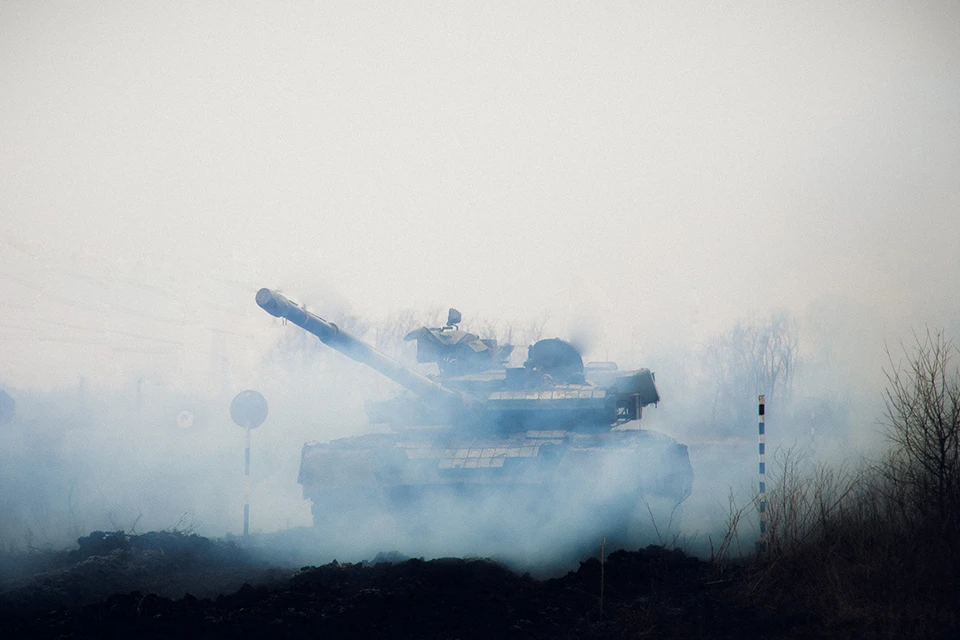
553	435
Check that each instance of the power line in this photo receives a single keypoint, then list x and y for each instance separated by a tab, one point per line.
94	330
80	305
93	343
137	284
103	284
120	332
113	308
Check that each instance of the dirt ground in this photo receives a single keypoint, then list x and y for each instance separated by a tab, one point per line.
160	585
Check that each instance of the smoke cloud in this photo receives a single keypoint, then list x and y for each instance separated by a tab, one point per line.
642	180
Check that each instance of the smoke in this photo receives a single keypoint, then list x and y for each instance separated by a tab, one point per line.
638	179
542	529
101	458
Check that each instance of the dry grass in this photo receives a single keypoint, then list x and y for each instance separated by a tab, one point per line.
873	548
841	549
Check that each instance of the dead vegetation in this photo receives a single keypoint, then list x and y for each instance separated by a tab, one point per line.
873	549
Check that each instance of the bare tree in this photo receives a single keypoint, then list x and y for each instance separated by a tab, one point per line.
507	331
922	422
752	358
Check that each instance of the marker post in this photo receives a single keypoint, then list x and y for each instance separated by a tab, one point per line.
762	496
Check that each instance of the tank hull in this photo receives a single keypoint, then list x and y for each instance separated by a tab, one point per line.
562	486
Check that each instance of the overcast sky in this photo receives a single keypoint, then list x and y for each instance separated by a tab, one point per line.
667	167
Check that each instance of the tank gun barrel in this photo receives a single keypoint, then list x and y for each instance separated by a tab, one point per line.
331	335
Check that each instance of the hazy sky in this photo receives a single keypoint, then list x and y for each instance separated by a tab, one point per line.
668	167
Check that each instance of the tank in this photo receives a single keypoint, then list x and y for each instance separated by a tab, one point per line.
479	444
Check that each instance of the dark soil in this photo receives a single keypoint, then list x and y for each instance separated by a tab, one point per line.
166	584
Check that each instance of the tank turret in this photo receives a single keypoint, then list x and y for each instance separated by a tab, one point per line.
475	386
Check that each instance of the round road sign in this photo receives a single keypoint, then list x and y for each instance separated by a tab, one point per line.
248	409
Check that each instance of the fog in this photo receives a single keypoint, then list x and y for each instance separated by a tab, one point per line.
639	178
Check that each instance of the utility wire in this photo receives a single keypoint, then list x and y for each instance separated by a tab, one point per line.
103	285
134	283
114	308
94	330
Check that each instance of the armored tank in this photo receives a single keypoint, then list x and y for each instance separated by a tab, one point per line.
552	443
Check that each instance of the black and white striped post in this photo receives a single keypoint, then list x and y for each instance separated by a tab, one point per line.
248	410
762	497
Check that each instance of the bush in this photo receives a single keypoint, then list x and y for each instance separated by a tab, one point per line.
876	546
922	423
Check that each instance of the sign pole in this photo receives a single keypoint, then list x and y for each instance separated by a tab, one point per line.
248	410
246	484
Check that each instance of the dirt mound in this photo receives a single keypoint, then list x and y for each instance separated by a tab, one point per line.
165	563
167	585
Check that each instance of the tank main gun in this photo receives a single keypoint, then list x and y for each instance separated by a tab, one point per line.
331	335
